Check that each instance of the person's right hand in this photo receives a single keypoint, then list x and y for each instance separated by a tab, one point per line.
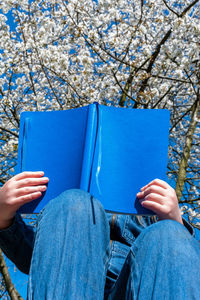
20	189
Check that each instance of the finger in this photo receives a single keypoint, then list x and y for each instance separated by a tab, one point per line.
151	189
29	190
154	197
157	182
32	181
27	198
28	174
154	206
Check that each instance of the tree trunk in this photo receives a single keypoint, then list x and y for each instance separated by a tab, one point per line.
13	293
186	151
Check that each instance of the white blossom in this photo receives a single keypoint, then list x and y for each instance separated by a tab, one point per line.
61	54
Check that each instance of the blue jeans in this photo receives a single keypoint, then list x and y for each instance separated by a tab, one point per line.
82	253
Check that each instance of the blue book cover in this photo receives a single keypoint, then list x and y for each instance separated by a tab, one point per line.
108	151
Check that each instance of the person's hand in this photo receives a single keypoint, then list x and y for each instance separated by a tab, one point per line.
161	198
17	191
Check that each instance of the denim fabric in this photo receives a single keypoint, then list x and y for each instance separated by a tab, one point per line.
71	249
124	229
162	264
81	252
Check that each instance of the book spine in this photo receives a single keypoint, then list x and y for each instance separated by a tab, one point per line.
23	145
89	147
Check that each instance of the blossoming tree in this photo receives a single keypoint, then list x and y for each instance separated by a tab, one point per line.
59	55
140	54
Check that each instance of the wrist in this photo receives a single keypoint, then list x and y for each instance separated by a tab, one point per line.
177	218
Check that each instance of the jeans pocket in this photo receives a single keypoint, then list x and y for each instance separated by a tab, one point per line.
118	254
133	226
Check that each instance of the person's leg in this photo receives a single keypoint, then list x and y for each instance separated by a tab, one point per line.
71	249
124	229
163	264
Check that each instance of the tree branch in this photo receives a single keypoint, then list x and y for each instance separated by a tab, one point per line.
9	131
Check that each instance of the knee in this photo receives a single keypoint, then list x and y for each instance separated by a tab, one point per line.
166	231
75	202
70	199
165	238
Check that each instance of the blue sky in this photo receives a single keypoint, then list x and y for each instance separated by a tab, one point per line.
19	279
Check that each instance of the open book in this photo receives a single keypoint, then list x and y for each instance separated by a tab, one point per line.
107	151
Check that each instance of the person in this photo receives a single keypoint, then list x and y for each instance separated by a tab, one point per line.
78	251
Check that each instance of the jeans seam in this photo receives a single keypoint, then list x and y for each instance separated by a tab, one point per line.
125	234
117	250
